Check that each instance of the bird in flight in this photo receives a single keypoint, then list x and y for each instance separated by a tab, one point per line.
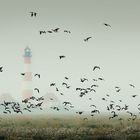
65	103
61	94
62	56
94	79
52	84
66	78
1	69
132	85
57	89
42	32
23	74
85	119
93	106
100	78
36	89
33	14
49	31
37	75
86	39
83	79
55	30
96	67
64	84
118	90
66	31
106	24
79	112
134	96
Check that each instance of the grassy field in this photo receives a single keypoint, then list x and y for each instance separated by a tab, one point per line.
66	128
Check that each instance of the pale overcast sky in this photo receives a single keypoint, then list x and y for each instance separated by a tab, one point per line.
116	50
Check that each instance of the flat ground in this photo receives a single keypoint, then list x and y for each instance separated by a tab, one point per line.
67	128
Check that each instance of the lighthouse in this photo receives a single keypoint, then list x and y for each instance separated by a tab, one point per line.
27	78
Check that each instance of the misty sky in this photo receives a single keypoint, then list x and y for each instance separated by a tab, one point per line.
116	49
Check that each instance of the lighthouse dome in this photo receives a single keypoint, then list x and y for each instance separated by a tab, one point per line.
27	52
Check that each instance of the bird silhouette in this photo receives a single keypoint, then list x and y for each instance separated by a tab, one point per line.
32	98
86	39
118	90
49	31
40	98
96	67
66	109
95	111
104	99
134	117
37	75
5	112
132	85
94	86
36	89
39	104
65	103
33	14
25	100
134	96
64	84
129	113
83	79
42	32
1	69
92	90
93	106
107	25
55	30
62	56
61	94
125	107
18	111
9	111
100	79
22	74
57	89
27	109
52	84
80	112
66	78
66	31
114	114
68	86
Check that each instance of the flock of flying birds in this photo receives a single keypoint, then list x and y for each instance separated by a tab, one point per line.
113	108
33	102
56	30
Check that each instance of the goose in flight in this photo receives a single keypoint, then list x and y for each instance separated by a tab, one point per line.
55	30
62	56
86	39
42	32
33	14
1	69
37	75
107	25
36	89
132	85
96	67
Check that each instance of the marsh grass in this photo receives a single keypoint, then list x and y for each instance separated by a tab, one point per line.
67	128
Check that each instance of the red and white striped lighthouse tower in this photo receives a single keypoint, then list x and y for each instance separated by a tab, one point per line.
27	78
